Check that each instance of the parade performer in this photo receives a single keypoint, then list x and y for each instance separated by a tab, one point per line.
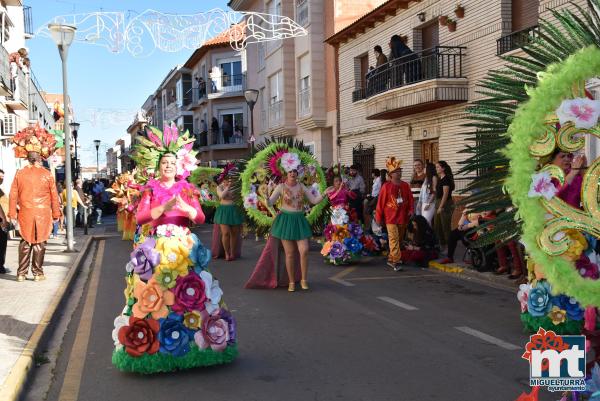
394	207
343	235
33	200
126	196
228	216
174	317
281	187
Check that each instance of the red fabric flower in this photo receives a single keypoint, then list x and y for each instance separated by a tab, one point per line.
140	336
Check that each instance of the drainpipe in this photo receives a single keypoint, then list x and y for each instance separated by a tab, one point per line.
337	103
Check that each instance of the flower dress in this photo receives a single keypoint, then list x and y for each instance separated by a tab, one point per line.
174	317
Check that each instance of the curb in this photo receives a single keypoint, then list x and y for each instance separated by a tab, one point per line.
472	275
13	385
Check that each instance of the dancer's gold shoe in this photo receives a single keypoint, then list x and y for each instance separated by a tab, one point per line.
292	287
304	284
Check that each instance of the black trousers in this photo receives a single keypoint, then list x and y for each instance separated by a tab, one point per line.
3	242
455	236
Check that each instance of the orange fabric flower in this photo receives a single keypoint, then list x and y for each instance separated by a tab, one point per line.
151	298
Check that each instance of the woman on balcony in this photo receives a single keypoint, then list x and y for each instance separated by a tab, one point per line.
228	216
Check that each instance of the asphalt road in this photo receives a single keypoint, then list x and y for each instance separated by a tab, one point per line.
367	334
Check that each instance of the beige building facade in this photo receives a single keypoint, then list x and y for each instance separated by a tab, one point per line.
414	107
296	77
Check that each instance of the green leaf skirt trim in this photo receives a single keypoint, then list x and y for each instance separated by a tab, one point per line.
532	325
159	362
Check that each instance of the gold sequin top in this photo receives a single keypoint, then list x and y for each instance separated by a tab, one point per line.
293	197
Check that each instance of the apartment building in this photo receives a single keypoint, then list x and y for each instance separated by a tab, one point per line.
20	98
415	107
220	118
296	77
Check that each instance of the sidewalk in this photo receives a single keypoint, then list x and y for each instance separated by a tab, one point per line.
26	307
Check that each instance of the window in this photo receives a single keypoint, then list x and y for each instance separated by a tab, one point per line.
274	81
304	86
231	73
261	55
302	12
232	127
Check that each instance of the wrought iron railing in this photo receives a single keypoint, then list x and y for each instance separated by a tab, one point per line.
198	93
358	94
275	114
437	62
228	136
516	40
304	102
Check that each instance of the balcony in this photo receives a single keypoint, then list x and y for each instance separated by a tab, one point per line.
19	100
27	22
358	94
224	139
304	102
199	96
227	85
413	84
516	40
275	114
5	81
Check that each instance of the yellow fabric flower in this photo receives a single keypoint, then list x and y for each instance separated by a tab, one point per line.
577	246
131	281
326	248
174	255
341	233
192	320
557	315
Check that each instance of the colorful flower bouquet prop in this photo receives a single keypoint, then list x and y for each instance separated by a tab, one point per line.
270	164
175	316
204	179
126	195
34	139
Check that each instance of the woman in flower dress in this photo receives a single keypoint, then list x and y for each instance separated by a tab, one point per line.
174	317
291	226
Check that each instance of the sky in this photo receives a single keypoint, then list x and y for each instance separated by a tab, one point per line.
106	88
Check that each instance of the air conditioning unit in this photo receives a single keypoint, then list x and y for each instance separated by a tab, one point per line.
10	124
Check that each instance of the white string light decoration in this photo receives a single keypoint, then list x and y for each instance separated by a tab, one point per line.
153	30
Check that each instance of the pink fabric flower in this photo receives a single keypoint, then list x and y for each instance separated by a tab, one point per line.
274	163
582	112
290	161
523	295
542	185
190	294
214	333
185	162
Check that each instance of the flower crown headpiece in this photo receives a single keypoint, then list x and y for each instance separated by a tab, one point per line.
283	161
229	168
34	139
393	164
150	150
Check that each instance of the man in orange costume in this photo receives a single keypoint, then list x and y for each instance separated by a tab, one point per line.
395	205
34	192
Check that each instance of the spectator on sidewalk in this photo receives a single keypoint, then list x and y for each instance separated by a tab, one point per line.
356	184
76	202
33	192
467	222
444	205
80	207
421	244
3	225
394	207
379	177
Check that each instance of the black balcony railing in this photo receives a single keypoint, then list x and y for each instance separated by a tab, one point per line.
516	40
198	93
437	62
28	20
229	136
358	94
227	83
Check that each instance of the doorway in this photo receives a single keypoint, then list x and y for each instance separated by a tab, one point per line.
430	151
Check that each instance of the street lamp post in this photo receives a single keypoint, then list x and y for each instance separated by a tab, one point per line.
75	131
97	145
63	37
251	96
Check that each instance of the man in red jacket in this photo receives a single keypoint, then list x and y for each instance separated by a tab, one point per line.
394	208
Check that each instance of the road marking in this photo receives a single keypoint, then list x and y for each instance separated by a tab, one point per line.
391	277
72	381
487	338
397	303
338	278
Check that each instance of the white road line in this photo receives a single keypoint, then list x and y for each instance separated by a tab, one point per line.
397	303
487	338
342	282
338	277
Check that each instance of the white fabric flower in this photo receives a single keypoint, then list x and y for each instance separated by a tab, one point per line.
339	216
129	267
120	321
314	190
290	161
251	201
542	185
582	112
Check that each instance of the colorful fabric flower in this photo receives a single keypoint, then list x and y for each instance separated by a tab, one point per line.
339	216
214	333
577	245
166	278
557	315
337	250
326	248
353	245
119	322
144	259
582	112
586	268
290	161
523	295
538	302
329	231
573	310
199	255
274	163
592	385
185	163
341	233
151	298
140	336
173	255
212	290
192	320
251	201
369	243
355	230
228	317
315	191
542	185
190	294
174	337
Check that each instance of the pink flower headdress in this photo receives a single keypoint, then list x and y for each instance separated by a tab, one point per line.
150	149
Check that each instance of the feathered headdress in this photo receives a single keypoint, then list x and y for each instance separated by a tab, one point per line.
230	167
34	139
391	164
156	144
